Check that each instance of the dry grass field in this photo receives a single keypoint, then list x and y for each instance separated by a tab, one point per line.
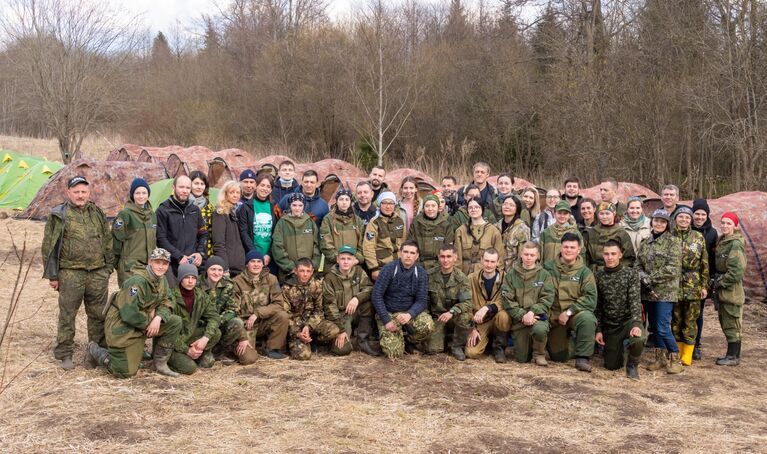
362	404
93	146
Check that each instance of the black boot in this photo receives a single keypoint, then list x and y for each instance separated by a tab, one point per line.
731	357
632	371
273	354
696	353
459	341
364	328
499	347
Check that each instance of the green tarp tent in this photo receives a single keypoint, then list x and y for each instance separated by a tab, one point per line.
161	190
21	176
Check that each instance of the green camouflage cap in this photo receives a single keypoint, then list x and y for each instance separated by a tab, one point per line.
160	254
345	249
562	205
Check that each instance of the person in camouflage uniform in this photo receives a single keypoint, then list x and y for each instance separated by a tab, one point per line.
220	289
302	294
474	237
77	261
134	232
400	298
346	292
487	314
730	267
295	236
606	230
527	293
199	324
693	285
341	227
574	305
142	309
660	266
258	302
619	310
384	235
551	238
449	304
431	230
514	232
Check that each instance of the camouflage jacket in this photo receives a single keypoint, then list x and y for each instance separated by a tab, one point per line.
730	267
294	238
204	315
69	239
515	236
383	237
551	239
620	297
338	290
430	235
471	242
694	276
222	295
453	295
527	290
340	230
303	303
260	295
129	308
134	236
576	286
594	240
660	265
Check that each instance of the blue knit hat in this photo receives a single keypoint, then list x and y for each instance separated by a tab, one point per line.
138	183
254	255
247	174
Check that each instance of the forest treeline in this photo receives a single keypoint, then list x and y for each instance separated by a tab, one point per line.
650	91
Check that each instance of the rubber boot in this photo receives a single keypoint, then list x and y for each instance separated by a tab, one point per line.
660	360
685	353
583	364
632	371
98	354
674	365
499	347
207	360
161	357
539	354
364	328
732	358
696	353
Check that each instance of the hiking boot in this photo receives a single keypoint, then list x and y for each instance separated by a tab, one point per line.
674	365
632	371
97	354
365	347
731	358
458	353
67	363
499	348
540	360
364	329
660	360
273	354
161	357
696	353
206	361
583	364
226	358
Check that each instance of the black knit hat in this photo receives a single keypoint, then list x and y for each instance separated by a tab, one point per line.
295	197
700	204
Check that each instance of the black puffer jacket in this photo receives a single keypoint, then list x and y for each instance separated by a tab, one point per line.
181	230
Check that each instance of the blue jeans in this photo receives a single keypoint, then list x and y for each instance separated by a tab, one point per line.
662	311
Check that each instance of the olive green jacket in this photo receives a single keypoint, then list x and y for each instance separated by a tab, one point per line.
730	267
204	315
134	237
576	286
341	230
294	238
430	235
526	291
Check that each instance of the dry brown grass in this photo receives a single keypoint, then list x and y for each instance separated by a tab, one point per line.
362	404
95	146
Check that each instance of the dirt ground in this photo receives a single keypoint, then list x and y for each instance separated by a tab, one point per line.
362	404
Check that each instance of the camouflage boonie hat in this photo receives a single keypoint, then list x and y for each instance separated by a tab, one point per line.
346	249
562	205
160	254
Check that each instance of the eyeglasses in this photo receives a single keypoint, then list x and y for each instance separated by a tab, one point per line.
552	196
387	203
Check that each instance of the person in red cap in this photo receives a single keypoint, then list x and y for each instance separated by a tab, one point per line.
730	265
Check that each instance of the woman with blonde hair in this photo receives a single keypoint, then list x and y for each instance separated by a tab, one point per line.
531	206
227	243
409	200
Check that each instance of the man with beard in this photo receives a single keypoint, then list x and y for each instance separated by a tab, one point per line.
364	207
181	230
573	197
376	178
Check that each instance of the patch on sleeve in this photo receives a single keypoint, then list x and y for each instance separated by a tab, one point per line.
118	224
369	236
133	291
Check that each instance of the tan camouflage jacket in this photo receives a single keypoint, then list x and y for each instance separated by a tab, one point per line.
260	295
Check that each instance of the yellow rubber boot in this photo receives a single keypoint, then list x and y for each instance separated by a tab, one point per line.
685	353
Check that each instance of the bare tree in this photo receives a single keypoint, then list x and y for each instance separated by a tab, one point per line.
70	52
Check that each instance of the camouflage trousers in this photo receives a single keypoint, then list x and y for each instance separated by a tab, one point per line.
731	321
325	332
500	324
393	343
124	361
459	326
616	340
528	339
183	363
583	326
76	287
684	321
232	332
274	327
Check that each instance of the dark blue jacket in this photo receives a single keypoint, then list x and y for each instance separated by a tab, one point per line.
366	216
314	206
400	290
278	192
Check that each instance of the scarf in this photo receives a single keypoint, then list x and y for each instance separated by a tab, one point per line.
201	202
632	224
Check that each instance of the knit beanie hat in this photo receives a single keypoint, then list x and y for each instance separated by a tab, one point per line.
215	260
247	174
732	216
431	197
138	183
386	195
254	255
700	204
186	269
344	192
295	197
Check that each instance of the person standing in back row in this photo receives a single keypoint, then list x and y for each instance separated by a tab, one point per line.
181	230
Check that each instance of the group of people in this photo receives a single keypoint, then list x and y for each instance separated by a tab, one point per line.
469	270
